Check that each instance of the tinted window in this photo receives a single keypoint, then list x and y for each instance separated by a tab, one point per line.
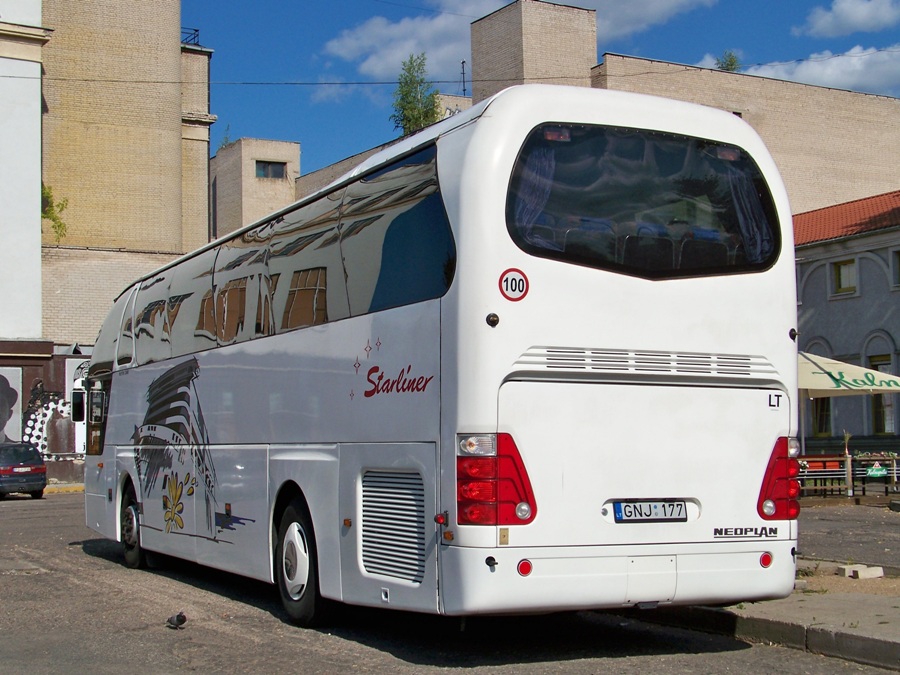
151	319
395	237
19	454
190	306
107	341
640	202
305	278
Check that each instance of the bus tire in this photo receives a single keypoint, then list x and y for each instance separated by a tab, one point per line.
296	567
135	557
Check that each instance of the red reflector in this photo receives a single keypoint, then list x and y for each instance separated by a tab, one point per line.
478	491
765	560
793	509
478	467
475	513
524	567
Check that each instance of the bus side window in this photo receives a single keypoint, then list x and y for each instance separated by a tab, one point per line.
396	239
98	399
96	421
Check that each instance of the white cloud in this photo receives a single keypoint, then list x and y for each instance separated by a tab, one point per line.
620	19
875	71
379	46
851	16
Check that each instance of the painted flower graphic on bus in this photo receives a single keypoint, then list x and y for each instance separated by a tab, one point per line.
172	502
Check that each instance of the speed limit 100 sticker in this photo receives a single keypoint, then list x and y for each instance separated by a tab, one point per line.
513	284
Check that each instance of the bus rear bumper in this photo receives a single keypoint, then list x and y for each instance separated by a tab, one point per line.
492	581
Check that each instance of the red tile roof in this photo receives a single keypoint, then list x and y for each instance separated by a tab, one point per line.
850	218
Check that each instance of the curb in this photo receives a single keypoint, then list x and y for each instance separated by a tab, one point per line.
826	642
63	488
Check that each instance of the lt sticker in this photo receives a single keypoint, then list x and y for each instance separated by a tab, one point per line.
513	284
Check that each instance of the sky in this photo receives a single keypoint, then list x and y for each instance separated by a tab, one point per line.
323	72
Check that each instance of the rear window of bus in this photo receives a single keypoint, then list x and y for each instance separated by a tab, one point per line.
639	202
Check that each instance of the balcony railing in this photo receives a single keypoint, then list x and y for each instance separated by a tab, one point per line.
190	36
847	475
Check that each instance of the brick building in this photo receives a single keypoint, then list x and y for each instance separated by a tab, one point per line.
127	143
108	107
848	284
250	178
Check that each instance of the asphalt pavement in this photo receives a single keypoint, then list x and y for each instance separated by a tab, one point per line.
859	627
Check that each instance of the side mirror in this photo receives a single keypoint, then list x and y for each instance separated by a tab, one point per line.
78	405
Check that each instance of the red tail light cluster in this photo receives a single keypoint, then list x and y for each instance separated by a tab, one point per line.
492	485
780	488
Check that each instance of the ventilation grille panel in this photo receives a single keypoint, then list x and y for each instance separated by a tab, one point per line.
645	363
393	524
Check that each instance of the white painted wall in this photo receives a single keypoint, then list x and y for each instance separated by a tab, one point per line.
20	183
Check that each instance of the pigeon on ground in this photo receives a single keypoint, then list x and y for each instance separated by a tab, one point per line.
176	621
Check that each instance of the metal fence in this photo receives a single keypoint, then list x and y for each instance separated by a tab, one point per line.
847	475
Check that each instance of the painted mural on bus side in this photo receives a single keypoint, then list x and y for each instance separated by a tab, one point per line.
173	457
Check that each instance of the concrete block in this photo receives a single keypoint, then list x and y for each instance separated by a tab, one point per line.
867	573
800	584
847	570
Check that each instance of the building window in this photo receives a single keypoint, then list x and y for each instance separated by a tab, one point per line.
270	169
821	417
895	267
307	299
844	277
882	404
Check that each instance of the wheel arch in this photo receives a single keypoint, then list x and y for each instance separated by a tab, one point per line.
124	482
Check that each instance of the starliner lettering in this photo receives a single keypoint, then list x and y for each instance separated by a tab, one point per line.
744	532
401	384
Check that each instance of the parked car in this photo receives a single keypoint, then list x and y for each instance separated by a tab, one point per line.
22	469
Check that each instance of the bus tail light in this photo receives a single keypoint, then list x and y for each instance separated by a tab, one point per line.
780	491
492	485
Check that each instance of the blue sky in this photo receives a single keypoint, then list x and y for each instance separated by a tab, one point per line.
322	72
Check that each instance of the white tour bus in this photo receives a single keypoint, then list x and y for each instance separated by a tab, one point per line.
539	356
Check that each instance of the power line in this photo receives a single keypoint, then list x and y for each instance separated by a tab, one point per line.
365	83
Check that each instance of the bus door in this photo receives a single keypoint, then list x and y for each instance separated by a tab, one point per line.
388	500
100	501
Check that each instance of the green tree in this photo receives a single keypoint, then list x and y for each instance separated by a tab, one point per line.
51	210
226	138
415	99
728	62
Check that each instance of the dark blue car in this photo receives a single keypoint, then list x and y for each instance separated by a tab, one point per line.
22	469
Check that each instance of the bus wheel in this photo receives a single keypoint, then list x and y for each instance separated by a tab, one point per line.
296	569
131	531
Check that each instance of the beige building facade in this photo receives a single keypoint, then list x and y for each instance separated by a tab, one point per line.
249	179
126	143
530	41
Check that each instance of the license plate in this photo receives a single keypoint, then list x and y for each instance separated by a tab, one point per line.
22	469
650	511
